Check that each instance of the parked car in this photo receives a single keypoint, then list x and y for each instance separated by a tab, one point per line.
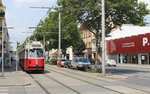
80	63
111	62
60	62
67	64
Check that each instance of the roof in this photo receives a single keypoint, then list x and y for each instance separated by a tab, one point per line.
128	31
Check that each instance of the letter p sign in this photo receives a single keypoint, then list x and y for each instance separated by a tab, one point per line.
145	41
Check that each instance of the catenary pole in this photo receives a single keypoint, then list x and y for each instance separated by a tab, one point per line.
103	37
2	47
17	60
59	44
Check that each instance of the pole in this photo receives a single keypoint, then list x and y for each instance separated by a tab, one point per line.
17	57
2	47
44	43
44	47
10	59
103	37
59	44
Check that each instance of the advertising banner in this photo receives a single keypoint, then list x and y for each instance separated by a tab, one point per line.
133	44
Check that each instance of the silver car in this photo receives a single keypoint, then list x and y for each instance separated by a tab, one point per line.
80	63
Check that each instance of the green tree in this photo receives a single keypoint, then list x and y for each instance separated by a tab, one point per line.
118	12
70	35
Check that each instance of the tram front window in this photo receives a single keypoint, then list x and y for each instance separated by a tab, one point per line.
32	53
39	53
36	53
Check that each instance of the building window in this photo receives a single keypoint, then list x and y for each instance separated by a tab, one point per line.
2	13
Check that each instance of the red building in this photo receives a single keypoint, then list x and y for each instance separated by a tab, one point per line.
129	44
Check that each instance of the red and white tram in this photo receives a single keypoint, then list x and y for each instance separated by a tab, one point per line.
31	58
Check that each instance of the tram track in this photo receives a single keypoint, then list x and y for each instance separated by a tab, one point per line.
75	76
81	75
46	91
56	70
97	85
43	88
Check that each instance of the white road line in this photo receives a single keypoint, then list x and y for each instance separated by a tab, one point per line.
4	90
4	87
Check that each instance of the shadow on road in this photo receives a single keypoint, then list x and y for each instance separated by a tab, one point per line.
116	70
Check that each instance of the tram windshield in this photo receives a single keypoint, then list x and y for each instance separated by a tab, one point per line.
36	53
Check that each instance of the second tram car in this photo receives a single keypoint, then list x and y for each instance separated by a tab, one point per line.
31	58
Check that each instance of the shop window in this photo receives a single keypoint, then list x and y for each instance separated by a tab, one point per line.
144	59
135	59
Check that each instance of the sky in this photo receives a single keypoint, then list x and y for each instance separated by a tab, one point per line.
20	16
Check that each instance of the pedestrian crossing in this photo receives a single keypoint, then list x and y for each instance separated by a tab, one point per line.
4	90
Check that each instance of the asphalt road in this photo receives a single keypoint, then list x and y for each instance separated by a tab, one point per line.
139	78
126	71
57	80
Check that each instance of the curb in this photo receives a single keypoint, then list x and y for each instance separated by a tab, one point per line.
26	84
115	77
133	66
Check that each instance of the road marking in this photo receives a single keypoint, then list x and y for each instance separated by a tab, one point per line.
4	87
4	90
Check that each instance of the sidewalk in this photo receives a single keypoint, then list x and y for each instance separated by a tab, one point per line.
13	78
133	66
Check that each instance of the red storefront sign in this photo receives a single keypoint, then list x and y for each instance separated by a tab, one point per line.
134	44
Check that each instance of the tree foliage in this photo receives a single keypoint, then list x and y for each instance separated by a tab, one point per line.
117	12
87	13
70	35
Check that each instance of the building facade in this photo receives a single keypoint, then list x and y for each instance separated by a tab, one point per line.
90	42
129	44
5	35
